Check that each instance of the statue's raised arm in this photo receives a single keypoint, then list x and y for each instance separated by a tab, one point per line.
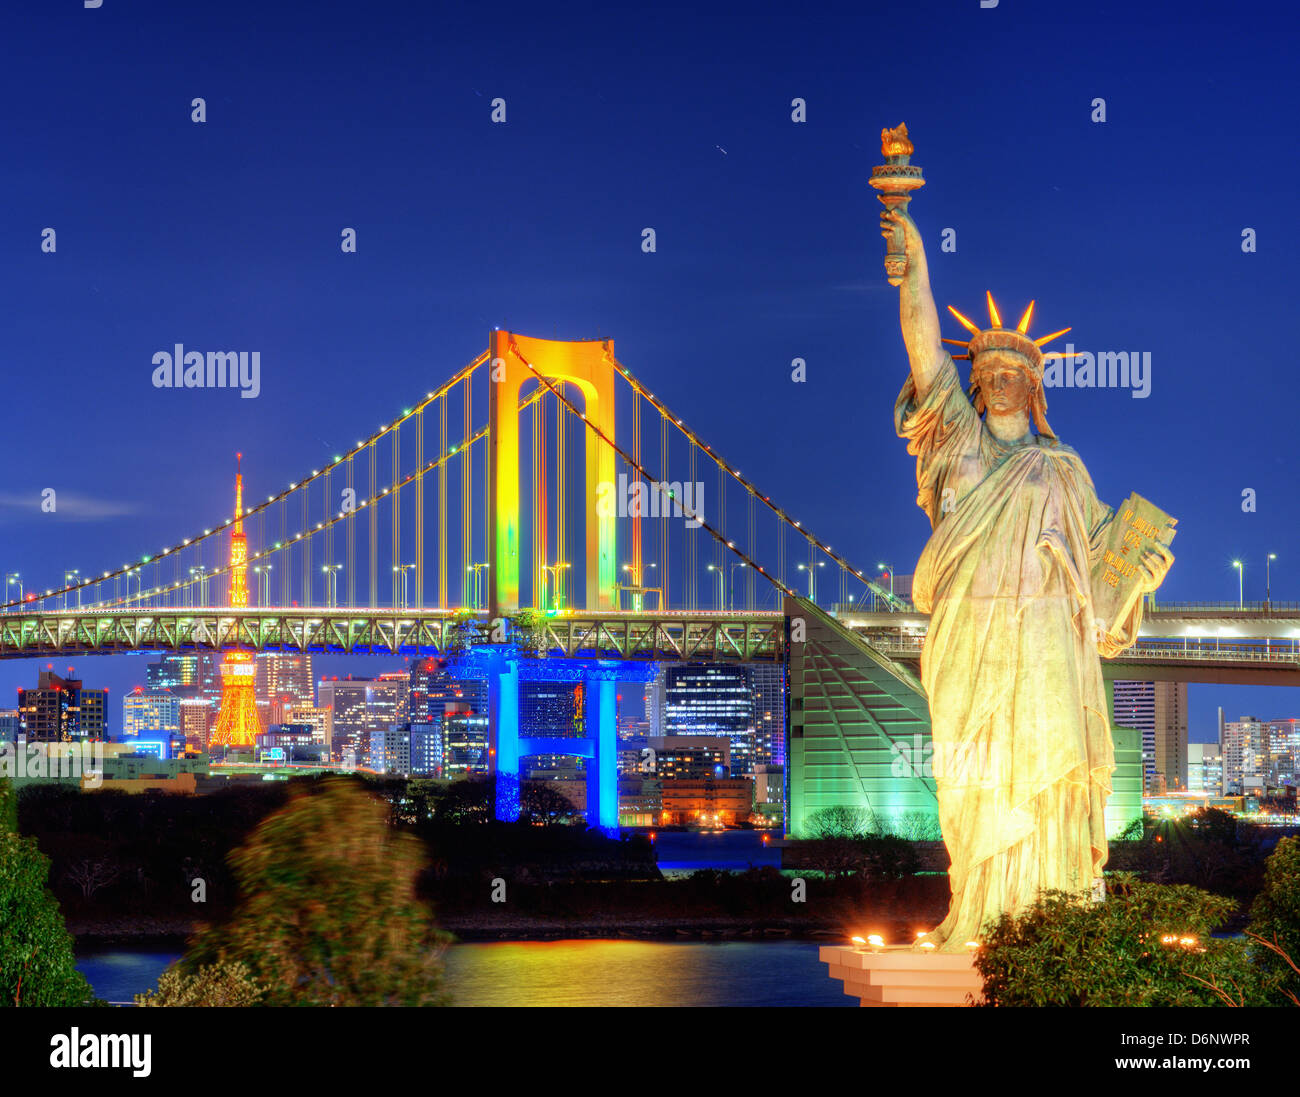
917	314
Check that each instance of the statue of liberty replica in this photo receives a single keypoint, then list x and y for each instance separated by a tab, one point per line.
1028	579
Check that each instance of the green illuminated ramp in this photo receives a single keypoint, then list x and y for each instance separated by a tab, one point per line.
859	728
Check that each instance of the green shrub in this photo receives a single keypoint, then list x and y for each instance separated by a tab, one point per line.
221	984
1067	952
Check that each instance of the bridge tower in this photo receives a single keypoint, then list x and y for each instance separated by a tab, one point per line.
238	724
588	365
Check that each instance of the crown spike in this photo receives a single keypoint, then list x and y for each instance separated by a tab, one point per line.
967	324
1049	338
956	342
993	310
1023	326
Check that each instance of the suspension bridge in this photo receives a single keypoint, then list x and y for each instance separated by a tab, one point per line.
543	504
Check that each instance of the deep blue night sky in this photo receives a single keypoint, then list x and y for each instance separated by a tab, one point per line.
376	116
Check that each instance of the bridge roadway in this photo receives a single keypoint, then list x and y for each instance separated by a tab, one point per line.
1256	643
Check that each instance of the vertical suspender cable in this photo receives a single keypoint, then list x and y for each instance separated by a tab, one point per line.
352	547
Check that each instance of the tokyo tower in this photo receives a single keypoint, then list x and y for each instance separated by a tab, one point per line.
238	724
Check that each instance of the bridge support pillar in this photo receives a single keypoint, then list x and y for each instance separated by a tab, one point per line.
602	769
503	735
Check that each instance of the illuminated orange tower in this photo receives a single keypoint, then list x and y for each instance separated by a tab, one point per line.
238	724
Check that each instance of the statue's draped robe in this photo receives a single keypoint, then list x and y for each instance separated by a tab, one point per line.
1022	747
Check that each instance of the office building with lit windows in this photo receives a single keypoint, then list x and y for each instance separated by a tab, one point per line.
61	710
713	700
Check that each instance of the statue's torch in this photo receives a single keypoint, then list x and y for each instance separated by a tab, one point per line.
895	179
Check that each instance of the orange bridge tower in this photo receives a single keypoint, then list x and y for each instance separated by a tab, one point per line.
238	724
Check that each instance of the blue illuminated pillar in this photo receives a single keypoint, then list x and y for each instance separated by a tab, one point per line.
503	736
602	770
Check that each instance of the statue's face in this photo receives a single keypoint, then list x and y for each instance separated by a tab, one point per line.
1004	384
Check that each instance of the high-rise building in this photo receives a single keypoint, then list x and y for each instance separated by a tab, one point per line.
11	724
283	681
713	699
654	703
464	743
390	750
1244	745
1204	769
178	673
769	712
361	706
196	715
432	688
321	720
1283	766
60	710
238	723
146	711
1159	711
426	748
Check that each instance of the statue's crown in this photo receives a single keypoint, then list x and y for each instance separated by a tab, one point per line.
1014	340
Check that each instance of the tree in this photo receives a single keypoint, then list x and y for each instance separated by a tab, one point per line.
1275	917
327	912
36	959
467	801
221	984
542	802
840	822
91	873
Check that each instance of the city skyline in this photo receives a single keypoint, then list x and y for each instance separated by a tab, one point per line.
777	214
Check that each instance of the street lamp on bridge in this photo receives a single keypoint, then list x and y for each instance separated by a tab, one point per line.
1241	599
1268	578
474	569
812	586
11	578
263	573
402	569
69	577
332	583
888	569
638	588
731	584
557	587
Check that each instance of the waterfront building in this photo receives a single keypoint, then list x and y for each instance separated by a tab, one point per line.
706	802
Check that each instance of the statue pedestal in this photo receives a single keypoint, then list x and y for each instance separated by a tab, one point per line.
903	976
